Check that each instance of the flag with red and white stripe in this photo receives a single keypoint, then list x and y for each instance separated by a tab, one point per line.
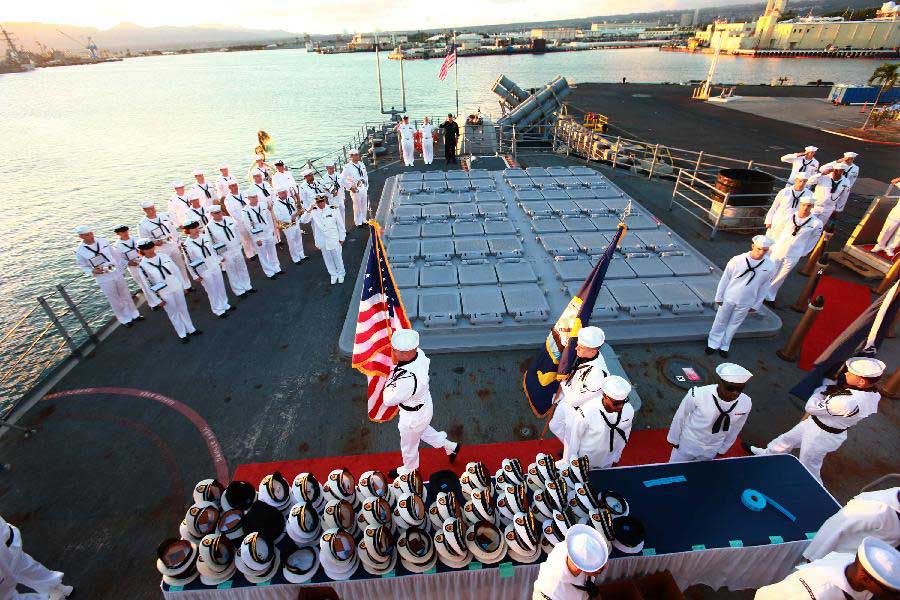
381	313
448	63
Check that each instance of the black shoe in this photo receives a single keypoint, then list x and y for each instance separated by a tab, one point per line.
190	290
297	262
710	351
769	303
185	340
140	318
154	308
723	353
453	454
393	474
253	258
224	315
128	324
232	308
273	277
281	243
242	296
196	332
279	272
251	291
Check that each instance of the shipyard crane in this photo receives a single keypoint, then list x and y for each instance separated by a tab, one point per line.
91	47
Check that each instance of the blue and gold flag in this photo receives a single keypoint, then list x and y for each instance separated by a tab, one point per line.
557	356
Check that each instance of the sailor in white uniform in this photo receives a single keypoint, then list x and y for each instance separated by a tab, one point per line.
427	131
196	211
710	418
407	133
260	166
786	202
206	267
205	191
329	234
262	231
179	202
875	514
286	214
847	163
332	182
282	178
831	190
223	182
95	257
584	381
742	289
309	189
567	572
889	237
872	572
355	179
797	236
225	236
802	162
266	198
235	203
407	388
831	410
17	567
127	256
164	280
159	228
600	427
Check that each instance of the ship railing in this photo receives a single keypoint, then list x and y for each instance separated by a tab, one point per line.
718	210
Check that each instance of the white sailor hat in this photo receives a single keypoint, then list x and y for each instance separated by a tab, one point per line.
591	337
881	561
416	549
239	494
445	506
301	564
410	511
810	149
340	485
231	524
523	538
253	194
376	550
374	484
838	166
280	189
339	513
215	208
733	373
629	534
353	151
584	500
306	488
410	482
850	154
486	542
190	223
450	543
215	559
257	173
807	200
761	241
257	558
177	184
222	167
176	560
375	511
232	182
328	163
303	525
616	387
200	520
337	554
306	172
405	340
512	500
208	490
862	366
148	204
577	471
83	229
586	548
197	172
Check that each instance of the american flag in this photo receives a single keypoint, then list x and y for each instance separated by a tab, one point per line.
381	313
448	63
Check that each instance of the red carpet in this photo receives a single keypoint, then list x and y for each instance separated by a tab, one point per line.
844	301
644	447
881	255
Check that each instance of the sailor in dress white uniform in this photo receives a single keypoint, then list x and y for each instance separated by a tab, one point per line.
332	182
207	193
164	280
287	214
875	514
600	427
261	225
584	381
179	202
127	256
796	238
355	179
427	131
95	257
162	231
206	266
407	133
786	202
224	233
889	237
802	162
234	203
329	234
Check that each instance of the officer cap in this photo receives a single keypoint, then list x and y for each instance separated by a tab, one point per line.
144	244
119	228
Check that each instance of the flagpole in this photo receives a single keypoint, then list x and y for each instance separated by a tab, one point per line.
456	73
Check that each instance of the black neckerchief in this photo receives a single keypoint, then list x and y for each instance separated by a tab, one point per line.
97	252
263	189
805	163
288	205
205	190
159	224
796	199
750	269
400	373
201	214
202	245
131	247
614	428
835	183
723	421
259	218
240	198
798	227
185	200
362	177
228	234
163	271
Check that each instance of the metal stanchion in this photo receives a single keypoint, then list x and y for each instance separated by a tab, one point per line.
818	250
791	350
891	386
811	283
889	278
27	431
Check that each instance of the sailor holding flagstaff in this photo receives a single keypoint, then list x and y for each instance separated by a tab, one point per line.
196	211
235	204
205	191
875	514
332	182
282	178
127	256
178	202
158	228
206	266
831	190
286	214
786	202
329	234
742	289
600	427
802	162
407	133
583	383
427	130
407	388
309	188
164	280
95	257
262	231
355	179
710	418
225	235
889	237
223	182
832	409
796	238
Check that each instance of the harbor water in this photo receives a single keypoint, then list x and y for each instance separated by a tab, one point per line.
86	144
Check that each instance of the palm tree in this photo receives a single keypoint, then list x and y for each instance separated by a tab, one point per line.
886	76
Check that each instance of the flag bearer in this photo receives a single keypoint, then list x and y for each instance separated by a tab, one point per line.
802	163
128	256
235	203
159	228
204	190
179	202
742	289
332	182
163	279
262	231
355	179
875	513
710	417
407	133
786	202
95	257
831	190
329	234
797	236
206	267
427	131
286	215
601	426
583	382
224	233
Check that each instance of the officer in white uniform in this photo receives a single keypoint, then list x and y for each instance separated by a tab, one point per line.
235	203
309	189
355	179
427	131
164	280
874	571
179	202
786	202
262	231
830	191
407	388
710	418
205	191
796	238
282	178
889	237
802	162
196	211
584	381
287	214
223	182
160	228
17	567
224	233
407	133
567	572
742	289
206	267
127	256
875	514
95	257
600	427
329	234
332	182
831	410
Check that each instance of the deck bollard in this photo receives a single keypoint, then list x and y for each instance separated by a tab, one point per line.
818	249
889	278
791	350
891	386
811	283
